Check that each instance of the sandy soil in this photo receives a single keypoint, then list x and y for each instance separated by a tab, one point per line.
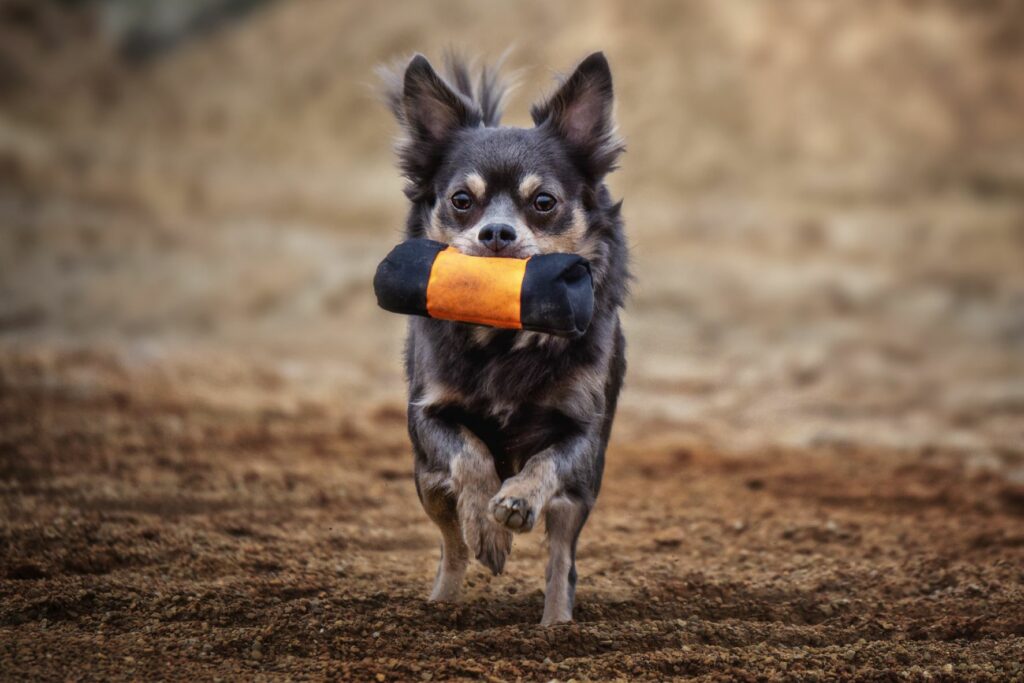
151	529
818	467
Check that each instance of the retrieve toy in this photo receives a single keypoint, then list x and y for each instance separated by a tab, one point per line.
550	293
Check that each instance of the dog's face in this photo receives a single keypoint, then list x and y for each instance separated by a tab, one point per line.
508	192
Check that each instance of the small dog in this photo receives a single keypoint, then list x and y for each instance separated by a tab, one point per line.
511	426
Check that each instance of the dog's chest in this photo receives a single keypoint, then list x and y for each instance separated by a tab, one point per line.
496	371
513	437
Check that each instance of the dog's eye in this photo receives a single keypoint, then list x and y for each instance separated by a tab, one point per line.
544	202
462	200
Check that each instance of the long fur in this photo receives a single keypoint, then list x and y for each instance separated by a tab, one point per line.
600	139
510	427
481	89
483	85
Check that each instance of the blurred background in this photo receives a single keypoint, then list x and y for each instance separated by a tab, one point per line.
818	464
825	201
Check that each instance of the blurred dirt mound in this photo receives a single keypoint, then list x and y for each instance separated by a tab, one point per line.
43	45
878	98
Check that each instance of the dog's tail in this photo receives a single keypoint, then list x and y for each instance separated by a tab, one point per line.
481	83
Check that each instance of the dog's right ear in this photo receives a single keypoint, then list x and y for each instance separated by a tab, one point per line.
430	112
432	109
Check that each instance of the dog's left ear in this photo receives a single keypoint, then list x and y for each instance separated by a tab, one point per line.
580	112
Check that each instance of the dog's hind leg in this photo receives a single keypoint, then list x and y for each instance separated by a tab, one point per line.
564	520
440	505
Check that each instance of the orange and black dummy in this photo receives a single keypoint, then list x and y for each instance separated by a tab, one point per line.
550	293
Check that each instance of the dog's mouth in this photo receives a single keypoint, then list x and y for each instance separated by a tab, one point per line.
504	253
474	248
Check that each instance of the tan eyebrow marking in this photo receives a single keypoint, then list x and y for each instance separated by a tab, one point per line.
476	184
529	184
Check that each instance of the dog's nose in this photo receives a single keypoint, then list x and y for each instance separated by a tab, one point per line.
497	236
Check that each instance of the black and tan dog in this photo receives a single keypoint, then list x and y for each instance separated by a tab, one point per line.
511	426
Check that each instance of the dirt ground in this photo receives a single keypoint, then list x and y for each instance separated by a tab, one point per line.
817	471
153	530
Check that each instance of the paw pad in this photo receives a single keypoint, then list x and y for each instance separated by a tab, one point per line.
513	513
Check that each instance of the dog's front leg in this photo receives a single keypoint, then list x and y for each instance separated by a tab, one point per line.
524	497
561	483
455	472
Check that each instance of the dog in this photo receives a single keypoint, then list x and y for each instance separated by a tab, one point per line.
507	426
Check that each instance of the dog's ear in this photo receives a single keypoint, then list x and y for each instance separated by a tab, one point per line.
432	109
580	112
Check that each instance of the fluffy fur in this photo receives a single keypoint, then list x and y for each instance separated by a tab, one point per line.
511	427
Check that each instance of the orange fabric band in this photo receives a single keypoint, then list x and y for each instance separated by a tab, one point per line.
476	289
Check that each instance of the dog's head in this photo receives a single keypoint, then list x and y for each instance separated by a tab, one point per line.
499	191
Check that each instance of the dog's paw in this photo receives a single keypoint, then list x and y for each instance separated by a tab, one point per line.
488	542
555	619
495	545
513	513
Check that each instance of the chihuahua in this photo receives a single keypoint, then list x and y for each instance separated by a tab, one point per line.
510	427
